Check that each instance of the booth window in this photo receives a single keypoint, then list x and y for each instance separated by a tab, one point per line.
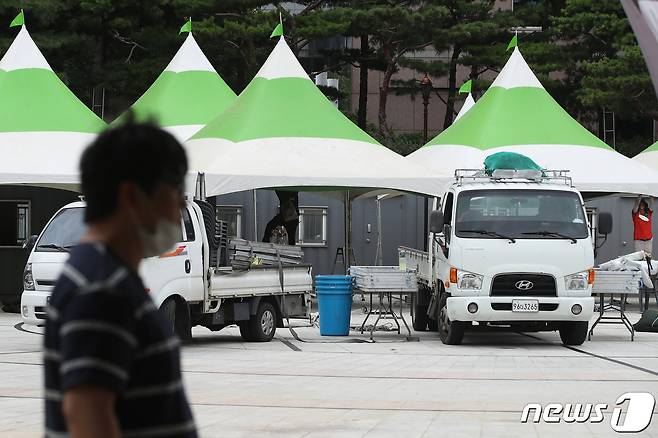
232	215
312	230
14	223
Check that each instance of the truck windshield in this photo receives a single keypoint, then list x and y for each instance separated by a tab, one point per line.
520	214
63	232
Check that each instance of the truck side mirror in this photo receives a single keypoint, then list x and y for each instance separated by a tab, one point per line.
605	223
436	221
30	242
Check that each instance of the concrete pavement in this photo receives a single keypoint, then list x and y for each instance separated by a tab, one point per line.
327	387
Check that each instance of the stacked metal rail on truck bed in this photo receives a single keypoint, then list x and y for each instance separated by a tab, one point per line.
245	254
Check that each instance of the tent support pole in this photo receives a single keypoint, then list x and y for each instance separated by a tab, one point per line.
255	203
348	231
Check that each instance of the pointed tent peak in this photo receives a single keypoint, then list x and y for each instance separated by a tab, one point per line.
468	104
516	73
282	63
23	53
190	57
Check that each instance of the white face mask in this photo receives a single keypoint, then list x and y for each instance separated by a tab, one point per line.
165	236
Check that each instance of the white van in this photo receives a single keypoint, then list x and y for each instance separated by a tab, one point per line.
511	249
187	283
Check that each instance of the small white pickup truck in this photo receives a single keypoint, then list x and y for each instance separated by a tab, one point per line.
186	283
513	249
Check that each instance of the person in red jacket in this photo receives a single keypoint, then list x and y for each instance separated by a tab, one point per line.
642	221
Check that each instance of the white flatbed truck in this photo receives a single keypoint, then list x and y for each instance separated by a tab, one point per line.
186	284
508	249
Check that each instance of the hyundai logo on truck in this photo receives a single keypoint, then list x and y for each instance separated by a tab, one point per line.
524	285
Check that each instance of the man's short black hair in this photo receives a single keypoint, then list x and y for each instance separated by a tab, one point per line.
140	153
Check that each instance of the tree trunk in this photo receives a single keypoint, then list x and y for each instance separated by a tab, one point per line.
363	84
452	87
474	77
383	97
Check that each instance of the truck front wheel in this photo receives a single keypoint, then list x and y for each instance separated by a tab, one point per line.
178	317
573	333
450	332
261	326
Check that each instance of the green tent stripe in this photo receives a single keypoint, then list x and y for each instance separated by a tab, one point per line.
183	98
35	99
516	116
282	107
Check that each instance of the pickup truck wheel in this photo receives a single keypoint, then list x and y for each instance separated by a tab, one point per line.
432	324
573	333
262	325
245	331
419	318
450	332
174	314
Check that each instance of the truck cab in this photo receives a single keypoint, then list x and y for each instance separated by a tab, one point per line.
514	249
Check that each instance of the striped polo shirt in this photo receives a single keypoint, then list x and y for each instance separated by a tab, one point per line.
103	329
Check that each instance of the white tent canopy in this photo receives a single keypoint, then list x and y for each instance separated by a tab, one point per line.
43	126
283	132
517	114
187	94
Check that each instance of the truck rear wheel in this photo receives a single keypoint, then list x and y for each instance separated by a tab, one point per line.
450	332
245	331
419	317
180	322
573	333
262	325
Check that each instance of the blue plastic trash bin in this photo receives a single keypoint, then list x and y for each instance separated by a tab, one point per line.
334	304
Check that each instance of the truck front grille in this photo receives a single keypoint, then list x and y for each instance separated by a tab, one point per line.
523	285
40	312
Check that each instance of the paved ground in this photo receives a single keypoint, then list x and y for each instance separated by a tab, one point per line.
395	388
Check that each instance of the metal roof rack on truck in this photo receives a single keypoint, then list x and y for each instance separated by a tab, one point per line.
463	176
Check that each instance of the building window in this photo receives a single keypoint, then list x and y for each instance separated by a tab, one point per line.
14	223
232	215
312	230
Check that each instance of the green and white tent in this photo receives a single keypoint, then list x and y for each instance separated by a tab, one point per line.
188	93
283	132
649	156
517	114
43	126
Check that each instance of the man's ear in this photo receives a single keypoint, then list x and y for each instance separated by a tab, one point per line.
127	196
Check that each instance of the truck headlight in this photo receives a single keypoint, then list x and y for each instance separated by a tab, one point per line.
468	280
28	279
579	280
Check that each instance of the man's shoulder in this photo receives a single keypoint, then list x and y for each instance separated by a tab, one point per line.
91	268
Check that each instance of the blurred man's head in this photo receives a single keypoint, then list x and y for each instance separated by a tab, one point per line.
643	205
134	175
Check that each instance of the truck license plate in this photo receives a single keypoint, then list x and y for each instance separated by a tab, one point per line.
525	306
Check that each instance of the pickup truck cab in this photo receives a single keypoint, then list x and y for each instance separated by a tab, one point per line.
187	284
513	249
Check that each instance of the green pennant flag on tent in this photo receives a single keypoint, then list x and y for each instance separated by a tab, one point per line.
19	20
278	31
187	27
466	87
513	42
